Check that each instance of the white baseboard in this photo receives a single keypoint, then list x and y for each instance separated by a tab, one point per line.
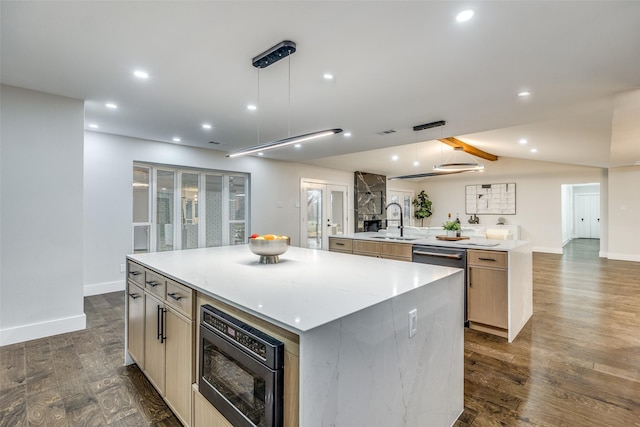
624	257
43	329
547	250
103	288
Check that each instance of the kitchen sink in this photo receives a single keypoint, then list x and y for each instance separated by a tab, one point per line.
395	238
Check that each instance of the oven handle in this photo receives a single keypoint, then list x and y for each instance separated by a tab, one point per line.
438	255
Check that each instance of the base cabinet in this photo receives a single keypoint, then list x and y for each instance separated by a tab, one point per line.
397	251
488	291
135	320
160	329
204	414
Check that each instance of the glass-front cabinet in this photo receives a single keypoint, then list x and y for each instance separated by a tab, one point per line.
185	209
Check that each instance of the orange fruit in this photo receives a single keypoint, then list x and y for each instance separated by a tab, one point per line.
269	237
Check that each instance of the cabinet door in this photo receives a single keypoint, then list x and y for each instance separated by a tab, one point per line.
154	348
398	251
135	322
487	296
179	373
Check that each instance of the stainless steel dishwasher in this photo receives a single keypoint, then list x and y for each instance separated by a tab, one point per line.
448	257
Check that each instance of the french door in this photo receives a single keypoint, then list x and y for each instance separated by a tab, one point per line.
587	216
323	213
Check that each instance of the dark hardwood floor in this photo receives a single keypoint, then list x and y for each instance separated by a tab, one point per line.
576	363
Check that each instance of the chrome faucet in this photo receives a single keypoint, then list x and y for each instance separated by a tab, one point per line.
401	220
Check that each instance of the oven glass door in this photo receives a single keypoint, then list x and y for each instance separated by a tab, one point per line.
242	389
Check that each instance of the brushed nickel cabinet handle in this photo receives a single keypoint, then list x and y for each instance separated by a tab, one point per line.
487	259
175	296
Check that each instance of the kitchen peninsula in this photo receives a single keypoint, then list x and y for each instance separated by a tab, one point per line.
352	359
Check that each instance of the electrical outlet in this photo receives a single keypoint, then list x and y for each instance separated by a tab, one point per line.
122	268
413	322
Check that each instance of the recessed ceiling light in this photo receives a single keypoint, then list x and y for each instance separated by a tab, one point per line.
176	139
524	93
416	163
465	15
522	141
297	145
111	105
93	126
261	154
534	150
394	157
206	126
347	134
252	107
141	74
328	76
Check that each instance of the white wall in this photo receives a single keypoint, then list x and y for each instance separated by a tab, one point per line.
624	213
108	196
41	217
538	196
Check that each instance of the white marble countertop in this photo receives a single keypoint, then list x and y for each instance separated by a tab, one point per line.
471	243
306	289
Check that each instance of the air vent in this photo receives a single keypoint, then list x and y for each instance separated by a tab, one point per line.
386	132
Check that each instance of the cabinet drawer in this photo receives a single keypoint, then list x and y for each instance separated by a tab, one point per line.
366	247
155	284
136	273
399	251
342	245
180	297
487	258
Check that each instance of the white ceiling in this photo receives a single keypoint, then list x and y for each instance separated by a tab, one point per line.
396	65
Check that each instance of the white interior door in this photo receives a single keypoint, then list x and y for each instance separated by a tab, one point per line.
587	216
323	212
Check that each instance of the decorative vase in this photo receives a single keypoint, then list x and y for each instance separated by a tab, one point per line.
451	233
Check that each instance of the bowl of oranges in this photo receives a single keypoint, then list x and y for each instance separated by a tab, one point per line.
269	247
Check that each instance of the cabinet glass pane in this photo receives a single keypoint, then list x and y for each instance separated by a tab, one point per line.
164	214
141	238
141	177
189	210
213	207
237	198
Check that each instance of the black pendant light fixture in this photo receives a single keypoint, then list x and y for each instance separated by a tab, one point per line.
274	54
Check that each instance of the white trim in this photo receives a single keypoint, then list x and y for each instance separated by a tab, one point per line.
103	288
624	257
43	329
547	250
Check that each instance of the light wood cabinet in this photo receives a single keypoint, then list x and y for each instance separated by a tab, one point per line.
204	414
160	326
154	348
397	251
338	244
488	291
135	319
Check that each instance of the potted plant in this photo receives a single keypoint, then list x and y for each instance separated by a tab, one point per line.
422	206
452	228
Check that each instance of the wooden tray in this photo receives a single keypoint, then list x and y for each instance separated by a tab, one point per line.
451	238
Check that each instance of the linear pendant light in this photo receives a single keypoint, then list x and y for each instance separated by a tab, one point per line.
266	58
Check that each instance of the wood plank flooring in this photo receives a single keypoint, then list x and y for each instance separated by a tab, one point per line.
576	363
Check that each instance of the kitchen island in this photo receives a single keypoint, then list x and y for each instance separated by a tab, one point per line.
357	363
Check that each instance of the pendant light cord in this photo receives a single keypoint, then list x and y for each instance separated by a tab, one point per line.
289	115
258	105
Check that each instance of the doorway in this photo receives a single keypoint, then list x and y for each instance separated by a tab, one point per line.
581	212
323	213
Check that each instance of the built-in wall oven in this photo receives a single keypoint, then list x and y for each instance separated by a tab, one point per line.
448	257
241	370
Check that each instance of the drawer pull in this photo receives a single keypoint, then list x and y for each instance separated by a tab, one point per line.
134	273
487	259
339	244
134	296
152	283
175	296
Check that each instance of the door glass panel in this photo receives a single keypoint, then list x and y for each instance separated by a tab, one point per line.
337	212
164	218
141	189
236	233
213	204
189	210
314	218
237	210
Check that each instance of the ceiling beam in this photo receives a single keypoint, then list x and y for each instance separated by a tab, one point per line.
470	149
